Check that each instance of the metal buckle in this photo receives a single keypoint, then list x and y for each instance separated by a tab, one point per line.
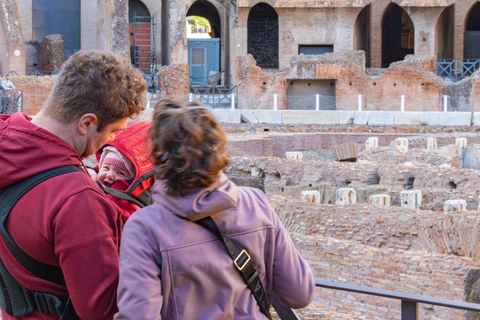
240	256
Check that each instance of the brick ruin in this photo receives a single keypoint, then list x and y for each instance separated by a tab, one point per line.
416	242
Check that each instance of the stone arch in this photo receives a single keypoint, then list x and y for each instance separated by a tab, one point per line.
398	34
444	33
462	9
362	31
471	44
262	35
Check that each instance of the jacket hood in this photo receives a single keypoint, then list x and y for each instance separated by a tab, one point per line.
134	144
220	196
26	149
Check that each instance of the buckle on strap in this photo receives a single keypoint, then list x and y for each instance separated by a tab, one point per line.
242	259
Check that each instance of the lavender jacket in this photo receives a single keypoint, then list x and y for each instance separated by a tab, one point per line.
172	268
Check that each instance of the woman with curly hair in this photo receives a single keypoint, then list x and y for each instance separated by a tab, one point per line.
207	249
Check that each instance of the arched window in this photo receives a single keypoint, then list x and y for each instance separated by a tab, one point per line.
362	33
398	35
138	8
263	35
471	46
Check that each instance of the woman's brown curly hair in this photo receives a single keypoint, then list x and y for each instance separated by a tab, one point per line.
188	146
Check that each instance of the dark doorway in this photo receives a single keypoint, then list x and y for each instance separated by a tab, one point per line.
444	34
58	17
263	35
398	35
142	50
362	33
472	34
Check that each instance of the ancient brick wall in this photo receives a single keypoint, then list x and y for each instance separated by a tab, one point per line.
12	45
35	91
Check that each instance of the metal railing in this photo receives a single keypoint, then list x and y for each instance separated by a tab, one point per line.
409	302
153	82
11	101
214	96
456	70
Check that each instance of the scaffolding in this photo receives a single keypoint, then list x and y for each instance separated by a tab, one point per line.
144	44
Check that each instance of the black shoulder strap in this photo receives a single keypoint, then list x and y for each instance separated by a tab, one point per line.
8	198
243	264
142	200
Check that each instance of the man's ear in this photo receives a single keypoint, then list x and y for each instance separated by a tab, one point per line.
86	122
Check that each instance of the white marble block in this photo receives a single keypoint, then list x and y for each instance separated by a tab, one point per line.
256	172
344	196
372	143
411	199
310	196
454	205
401	144
431	144
461	142
296	155
380	199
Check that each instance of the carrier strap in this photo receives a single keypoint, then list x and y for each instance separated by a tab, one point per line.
8	198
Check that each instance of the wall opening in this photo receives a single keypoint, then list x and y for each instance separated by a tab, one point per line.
444	34
471	49
140	28
398	35
361	34
409	183
262	35
204	43
302	94
58	17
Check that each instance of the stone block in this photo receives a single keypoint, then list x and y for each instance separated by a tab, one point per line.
431	144
372	143
310	196
345	196
454	205
346	117
455	118
296	155
310	117
361	117
461	142
476	118
247	116
226	116
430	118
411	199
401	144
266	116
256	172
380	199
407	118
381	118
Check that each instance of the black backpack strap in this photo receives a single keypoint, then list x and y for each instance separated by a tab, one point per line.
243	263
8	198
143	199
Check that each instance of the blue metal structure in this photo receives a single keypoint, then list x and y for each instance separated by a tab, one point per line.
214	96
456	70
203	57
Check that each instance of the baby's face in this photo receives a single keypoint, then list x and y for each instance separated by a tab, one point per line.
109	173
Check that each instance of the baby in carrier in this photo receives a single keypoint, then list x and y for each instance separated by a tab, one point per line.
125	168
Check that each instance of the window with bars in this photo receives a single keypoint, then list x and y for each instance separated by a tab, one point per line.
263	35
314	49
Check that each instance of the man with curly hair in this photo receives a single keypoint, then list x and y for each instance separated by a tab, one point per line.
66	222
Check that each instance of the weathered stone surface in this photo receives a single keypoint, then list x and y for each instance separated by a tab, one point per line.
411	199
401	144
175	80
345	196
431	144
311	196
372	143
52	54
454	205
380	199
296	155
